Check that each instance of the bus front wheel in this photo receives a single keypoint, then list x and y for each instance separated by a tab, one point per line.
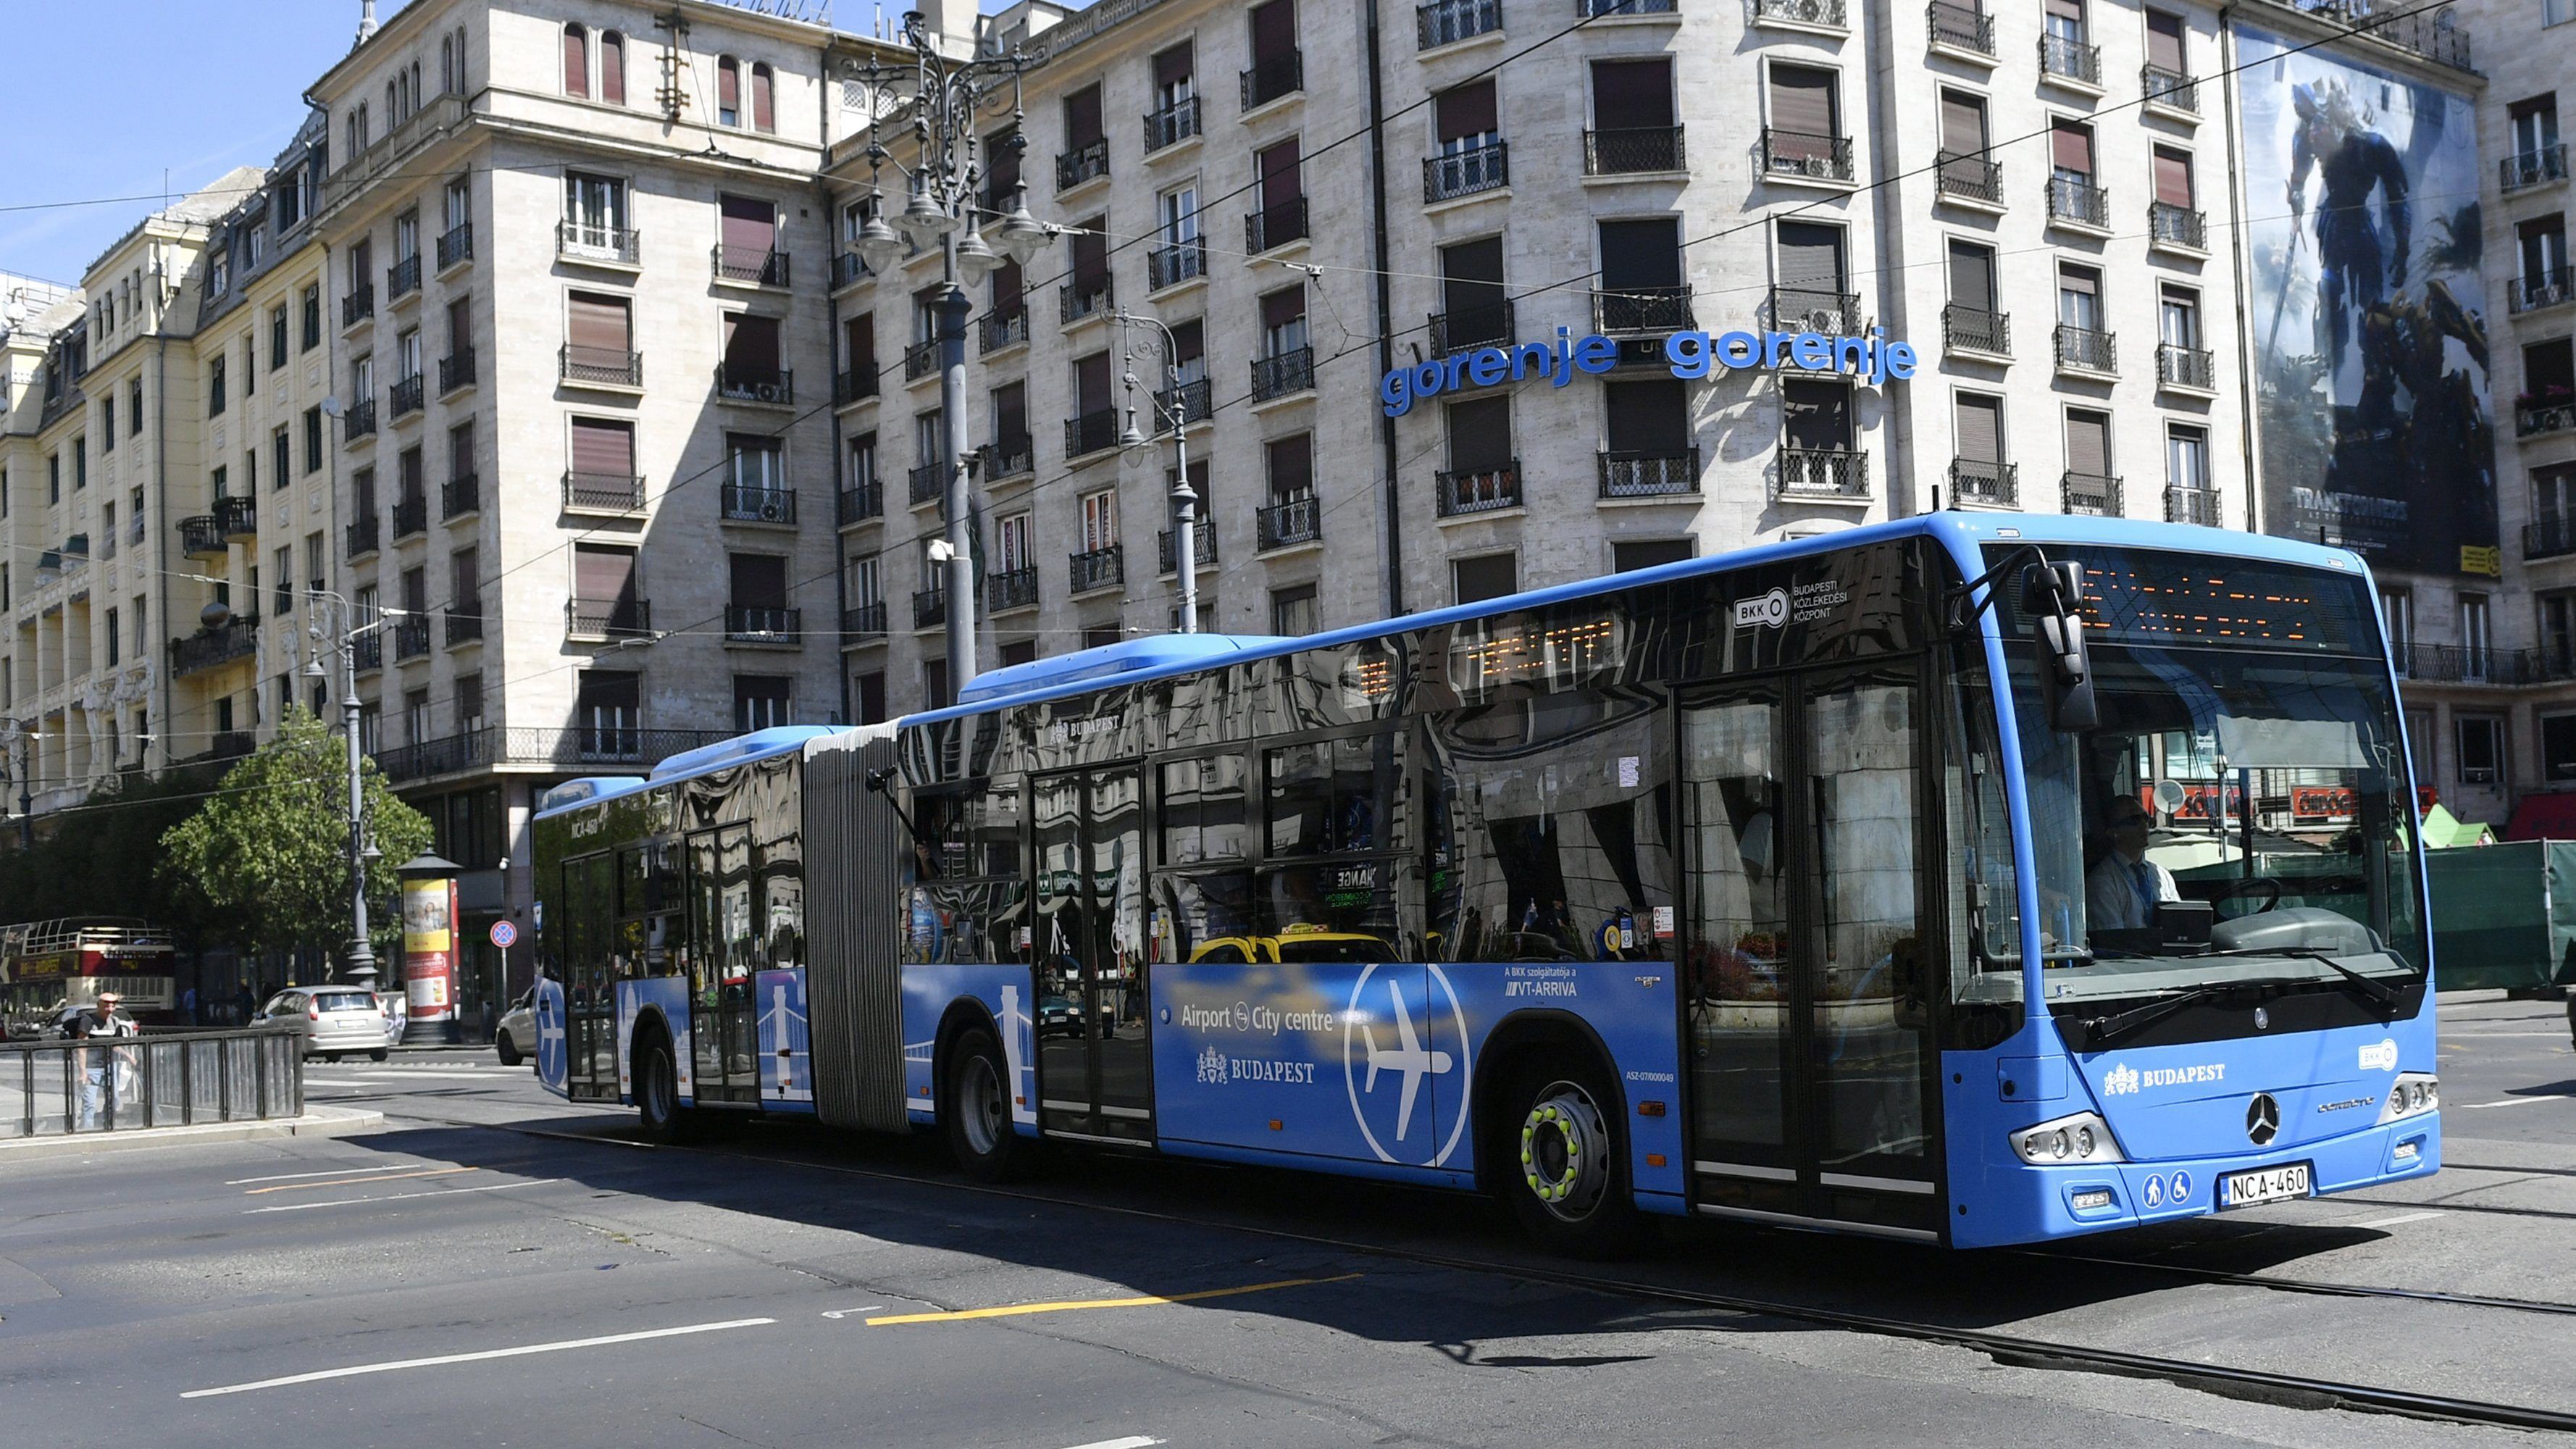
657	1090
1561	1166
975	1108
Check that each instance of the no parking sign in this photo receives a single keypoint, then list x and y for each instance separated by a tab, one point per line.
504	935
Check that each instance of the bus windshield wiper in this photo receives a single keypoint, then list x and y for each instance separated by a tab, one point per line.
2100	1031
2377	990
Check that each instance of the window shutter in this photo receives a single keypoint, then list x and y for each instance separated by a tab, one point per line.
1646	417
1640	254
2067	9
759	580
1090	254
1963	123
1282	307
603	573
1980	428
1480	434
729	87
1082	118
1189	342
2088	443
576	62
1815	413
2082	281
598	322
1972	276
612	68
1464	111
1811	256
2070	148
2173	177
1011	411
1274	30
1091	383
1172	67
764	113
750	225
1007	281
2164	41
1802	100
1281	182
604	447
1632	94
751	343
1292	465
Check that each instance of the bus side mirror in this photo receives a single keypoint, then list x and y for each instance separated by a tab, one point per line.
2051	596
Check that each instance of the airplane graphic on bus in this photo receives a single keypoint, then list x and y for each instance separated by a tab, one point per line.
1408	1058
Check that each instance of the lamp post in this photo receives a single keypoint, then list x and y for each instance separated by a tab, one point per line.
1171	410
945	97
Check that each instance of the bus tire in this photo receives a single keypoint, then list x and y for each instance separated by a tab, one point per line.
975	1108
657	1089
379	1054
1563	1164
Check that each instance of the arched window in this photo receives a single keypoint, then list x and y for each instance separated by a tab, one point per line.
612	67
576	61
417	94
446	65
393	106
728	91
764	111
460	60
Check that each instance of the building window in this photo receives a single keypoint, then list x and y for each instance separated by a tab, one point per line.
1977	472
1649	553
760	701
2480	740
107	424
1489	576
612	67
216	401
2187	458
728	91
281	449
934	685
2558	747
1099	520
608	709
764	111
1293	611
868	697
1805	135
595	214
1641	277
312	335
576	62
2477	636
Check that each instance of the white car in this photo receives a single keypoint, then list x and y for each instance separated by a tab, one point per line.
515	1039
333	1020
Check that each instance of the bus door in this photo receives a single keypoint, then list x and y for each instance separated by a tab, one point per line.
589	965
1807	1017
722	1015
1088	954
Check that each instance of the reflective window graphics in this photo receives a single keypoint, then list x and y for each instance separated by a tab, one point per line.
1089	945
723	956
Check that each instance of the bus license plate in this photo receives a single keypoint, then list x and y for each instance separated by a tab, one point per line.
2270	1184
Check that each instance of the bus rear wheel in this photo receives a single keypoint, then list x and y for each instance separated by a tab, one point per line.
975	1109
1561	1166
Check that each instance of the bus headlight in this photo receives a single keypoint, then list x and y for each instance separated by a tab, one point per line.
2412	1095
2083	1137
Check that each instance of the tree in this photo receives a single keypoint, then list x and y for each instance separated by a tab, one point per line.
266	860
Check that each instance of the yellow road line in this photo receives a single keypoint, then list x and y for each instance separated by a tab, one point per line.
1017	1310
345	1181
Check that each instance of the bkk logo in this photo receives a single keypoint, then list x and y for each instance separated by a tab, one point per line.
1771	608
2381	1057
1690	355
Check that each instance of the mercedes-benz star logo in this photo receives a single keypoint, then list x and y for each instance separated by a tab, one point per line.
2262	1120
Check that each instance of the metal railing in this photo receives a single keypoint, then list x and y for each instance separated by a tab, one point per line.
864	619
1968	177
456	370
1459	492
929	607
2435	36
1167	266
920	359
1097	568
367	652
411	637
1823	473
237	638
459	495
2535	167
756	503
1078	301
1962	27
929	482
1642	309
1808	309
1446	22
569	748
1011	589
406	395
1277	224
861	502
1464	173
463	626
2466	664
200	538
1986	481
602	492
2171	225
358	306
1974	329
1625	149
2095	493
360	421
2191	367
1592	9
2082	349
764	624
775	386
402	278
1191	402
64	1088
1010	456
1171	124
853	385
237	518
363	536
2551	288
1000	330
411	515
1086	162
2533	418
1648	475
2169	88
1091	432
602	619
1283	373
456	244
1287	522
1202	546
763	266
583	242
1806	154
2078	201
1277	76
2191	505
2072	59
1828	13
1462	328
606	366
846	270
2549	535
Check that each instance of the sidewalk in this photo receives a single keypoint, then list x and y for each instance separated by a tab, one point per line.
316	1122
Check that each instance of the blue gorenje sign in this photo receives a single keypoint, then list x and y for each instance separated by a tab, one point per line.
1873	359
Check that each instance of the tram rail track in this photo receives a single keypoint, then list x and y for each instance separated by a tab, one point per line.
2258	1385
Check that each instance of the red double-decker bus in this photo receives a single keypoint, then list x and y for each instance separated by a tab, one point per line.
48	965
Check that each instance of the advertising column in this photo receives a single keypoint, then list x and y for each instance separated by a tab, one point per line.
429	948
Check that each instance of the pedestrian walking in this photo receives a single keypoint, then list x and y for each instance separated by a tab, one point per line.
247	1004
188	1005
107	1072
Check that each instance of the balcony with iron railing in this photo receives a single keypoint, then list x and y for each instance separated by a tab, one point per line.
1824	474
1985	482
846	270
2549	535
1287	522
1004	329
456	370
763	624
756	266
863	621
1642	309
402	278
406	396
929	483
1170	125
367	651
1654	474
1469	327
1009	456
2170	89
2537	415
853	385
363	536
200	538
1008	589
607	620
237	518
456	245
359	421
236	638
757	503
1447	22
1191	402
2176	228
1084	163
2552	287
587	366
1275	225
1976	330
1964	28
2539	166
2430	31
2191	505
357	306
1460	492
602	492
1593	9
766	386
1202	547
1816	309
929	607
411	515
2086	350
1963	177
578	241
1806	156
1174	263
459	495
1273	77
411	637
1089	433
861	502
1465	173
1081	300
920	360
1627	150
2076	201
1814	14
2093	493
2466	664
1097	568
1282	373
2190	369
2062	58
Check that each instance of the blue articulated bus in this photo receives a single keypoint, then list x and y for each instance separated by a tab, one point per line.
1972	879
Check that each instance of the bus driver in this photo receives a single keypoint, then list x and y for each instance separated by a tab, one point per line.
2121	891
